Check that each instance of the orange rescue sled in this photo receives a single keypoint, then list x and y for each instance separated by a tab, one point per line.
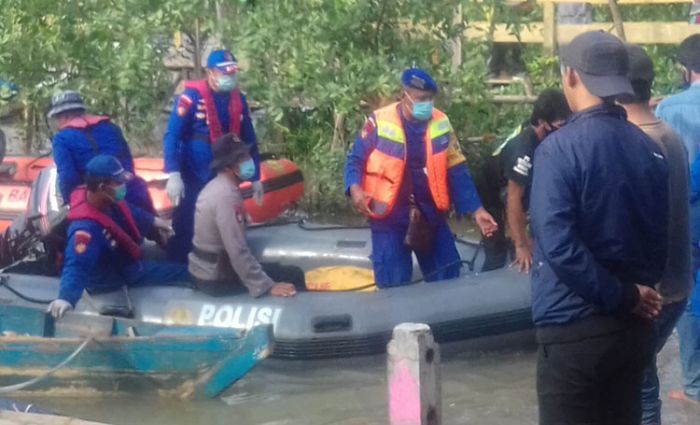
282	180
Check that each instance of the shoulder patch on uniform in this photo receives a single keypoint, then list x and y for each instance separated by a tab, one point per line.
368	128
183	105
82	239
523	166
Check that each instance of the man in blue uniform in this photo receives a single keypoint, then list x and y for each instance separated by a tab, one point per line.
104	238
81	137
205	111
404	171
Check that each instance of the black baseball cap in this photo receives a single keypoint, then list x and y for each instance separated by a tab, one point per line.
641	66
689	53
601	61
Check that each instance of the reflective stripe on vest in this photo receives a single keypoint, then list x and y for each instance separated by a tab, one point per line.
235	109
386	163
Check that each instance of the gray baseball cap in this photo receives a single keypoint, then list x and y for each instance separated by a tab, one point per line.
67	100
601	61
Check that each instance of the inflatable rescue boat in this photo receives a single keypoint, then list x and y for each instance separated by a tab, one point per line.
313	325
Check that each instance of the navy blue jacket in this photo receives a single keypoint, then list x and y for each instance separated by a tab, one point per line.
599	208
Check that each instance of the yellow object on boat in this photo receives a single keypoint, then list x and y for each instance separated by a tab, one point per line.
340	278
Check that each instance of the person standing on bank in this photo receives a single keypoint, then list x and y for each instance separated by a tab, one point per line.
675	285
81	137
403	172
599	216
220	257
205	111
682	113
506	177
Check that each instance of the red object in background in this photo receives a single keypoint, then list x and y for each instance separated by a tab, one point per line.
282	180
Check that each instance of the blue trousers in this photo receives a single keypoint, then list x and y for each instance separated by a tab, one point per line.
664	324
151	273
183	224
393	261
689	338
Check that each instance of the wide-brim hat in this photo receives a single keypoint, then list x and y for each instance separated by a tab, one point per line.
228	150
68	100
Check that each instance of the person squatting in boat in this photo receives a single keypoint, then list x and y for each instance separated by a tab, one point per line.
403	172
221	261
105	233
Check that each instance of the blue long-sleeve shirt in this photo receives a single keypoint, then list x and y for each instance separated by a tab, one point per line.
599	207
186	146
682	113
72	150
94	260
461	186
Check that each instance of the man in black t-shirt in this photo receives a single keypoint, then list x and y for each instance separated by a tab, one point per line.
504	181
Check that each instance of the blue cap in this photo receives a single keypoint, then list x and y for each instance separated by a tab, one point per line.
223	61
107	167
418	79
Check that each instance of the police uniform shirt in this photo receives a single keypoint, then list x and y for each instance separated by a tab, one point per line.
220	230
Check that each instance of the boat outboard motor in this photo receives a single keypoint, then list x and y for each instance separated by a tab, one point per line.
41	231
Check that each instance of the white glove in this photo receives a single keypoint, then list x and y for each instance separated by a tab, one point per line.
163	227
58	308
258	192
175	188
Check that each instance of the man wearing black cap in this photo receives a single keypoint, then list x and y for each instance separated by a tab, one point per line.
205	111
675	284
220	255
404	172
599	210
105	236
80	137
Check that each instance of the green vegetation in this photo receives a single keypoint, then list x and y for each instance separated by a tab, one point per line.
316	67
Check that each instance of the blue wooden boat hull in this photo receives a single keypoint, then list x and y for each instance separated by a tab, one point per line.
180	361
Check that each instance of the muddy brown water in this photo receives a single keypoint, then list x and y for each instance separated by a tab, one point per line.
487	382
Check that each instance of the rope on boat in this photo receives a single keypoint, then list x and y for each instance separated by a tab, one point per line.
3	283
22	385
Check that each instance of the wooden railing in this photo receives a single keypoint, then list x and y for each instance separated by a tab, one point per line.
549	34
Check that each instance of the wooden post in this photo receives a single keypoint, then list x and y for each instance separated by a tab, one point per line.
457	40
549	42
414	376
617	19
197	51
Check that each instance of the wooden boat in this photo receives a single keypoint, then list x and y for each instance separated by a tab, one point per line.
81	355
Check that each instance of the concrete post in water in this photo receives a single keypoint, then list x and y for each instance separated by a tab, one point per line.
414	376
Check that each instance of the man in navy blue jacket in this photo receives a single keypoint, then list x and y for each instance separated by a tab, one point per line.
599	207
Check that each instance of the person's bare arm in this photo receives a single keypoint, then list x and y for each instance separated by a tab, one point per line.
517	222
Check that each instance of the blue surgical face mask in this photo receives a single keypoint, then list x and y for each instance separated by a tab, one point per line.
246	169
422	111
120	193
226	83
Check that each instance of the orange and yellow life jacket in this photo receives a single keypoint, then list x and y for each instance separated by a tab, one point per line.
386	163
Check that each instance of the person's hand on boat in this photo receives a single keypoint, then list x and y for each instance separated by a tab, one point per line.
58	308
163	232
523	257
175	188
360	200
485	221
650	302
258	192
283	289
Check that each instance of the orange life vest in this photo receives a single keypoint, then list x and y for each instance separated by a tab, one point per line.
386	163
